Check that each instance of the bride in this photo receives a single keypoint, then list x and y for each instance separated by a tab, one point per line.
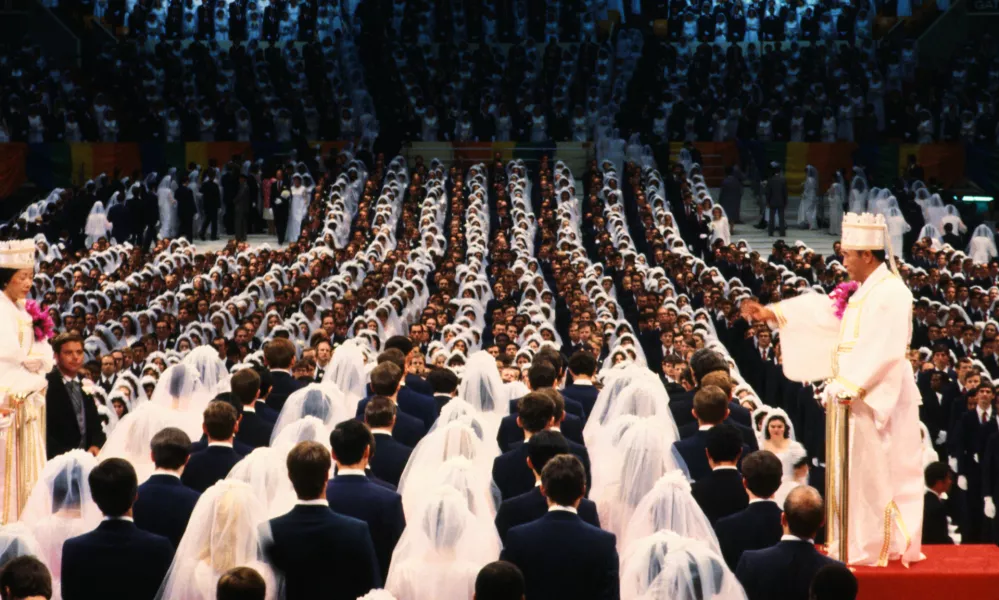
778	437
23	366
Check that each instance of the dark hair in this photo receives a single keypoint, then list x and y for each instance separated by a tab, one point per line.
399	342
308	469
348	441
564	480
766	426
499	580
582	363
393	355
544	446
25	576
380	412
881	255
113	485
724	443
220	420
279	353
65	338
241	583
6	274
804	511
385	379
710	404
245	385
266	380
444	381
705	361
535	411
542	374
762	471
170	448
935	473
834	581
550	355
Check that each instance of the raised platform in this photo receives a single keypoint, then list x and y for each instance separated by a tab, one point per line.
949	572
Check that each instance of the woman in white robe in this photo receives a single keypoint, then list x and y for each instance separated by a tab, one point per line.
982	247
667	566
669	507
778	438
97	225
836	197
167	206
299	206
809	205
897	228
719	226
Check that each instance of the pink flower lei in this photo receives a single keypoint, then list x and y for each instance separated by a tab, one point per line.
841	296
40	321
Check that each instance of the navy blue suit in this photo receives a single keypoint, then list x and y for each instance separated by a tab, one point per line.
512	475
359	497
585	395
692	451
510	433
781	572
531	506
140	562
268	413
240	448
720	493
389	459
413	404
748	437
563	557
408	430
571	407
753	528
419	385
164	506
284	385
209	466
254	430
316	549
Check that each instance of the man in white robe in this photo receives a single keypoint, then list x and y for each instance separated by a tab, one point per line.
863	356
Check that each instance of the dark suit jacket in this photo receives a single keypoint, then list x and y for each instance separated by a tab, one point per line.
284	385
781	572
585	395
563	557
358	497
312	546
691	450
241	448
512	475
680	406
531	506
510	433
413	404
164	506
419	385
935	529
140	560
755	527
389	459
571	407
209	466
720	493
269	414
748	437
62	432
254	430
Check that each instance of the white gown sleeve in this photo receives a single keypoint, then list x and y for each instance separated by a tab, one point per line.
809	333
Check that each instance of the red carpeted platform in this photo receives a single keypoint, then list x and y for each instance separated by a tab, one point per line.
949	572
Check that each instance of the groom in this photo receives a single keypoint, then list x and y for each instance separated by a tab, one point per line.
860	347
71	419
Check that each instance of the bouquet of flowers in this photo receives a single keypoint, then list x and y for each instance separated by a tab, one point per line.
841	296
41	321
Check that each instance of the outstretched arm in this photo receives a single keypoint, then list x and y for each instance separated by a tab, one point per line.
809	332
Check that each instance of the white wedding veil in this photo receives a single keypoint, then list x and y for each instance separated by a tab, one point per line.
134	433
265	470
16	540
669	507
211	370
314	400
667	566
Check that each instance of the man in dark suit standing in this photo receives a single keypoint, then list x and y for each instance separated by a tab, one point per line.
711	409
186	209
445	386
211	202
720	493
208	466
279	354
511	473
71	420
776	195
722	380
254	430
758	525
785	571
164	505
280	204
141	559
935	523
389	456
550	550
386	379
312	546
410	402
353	494
582	367
406	346
531	506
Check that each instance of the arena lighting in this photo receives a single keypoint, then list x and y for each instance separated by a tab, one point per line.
975	199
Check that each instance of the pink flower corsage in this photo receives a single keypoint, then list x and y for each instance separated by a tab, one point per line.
841	296
41	321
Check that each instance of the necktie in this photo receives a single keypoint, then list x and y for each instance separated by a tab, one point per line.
76	397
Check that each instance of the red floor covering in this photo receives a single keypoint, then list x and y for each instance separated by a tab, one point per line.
948	573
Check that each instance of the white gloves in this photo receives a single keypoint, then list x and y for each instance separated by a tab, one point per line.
990	508
952	463
962	482
33	364
941	437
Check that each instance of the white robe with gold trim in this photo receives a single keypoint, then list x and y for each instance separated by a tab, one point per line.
865	354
